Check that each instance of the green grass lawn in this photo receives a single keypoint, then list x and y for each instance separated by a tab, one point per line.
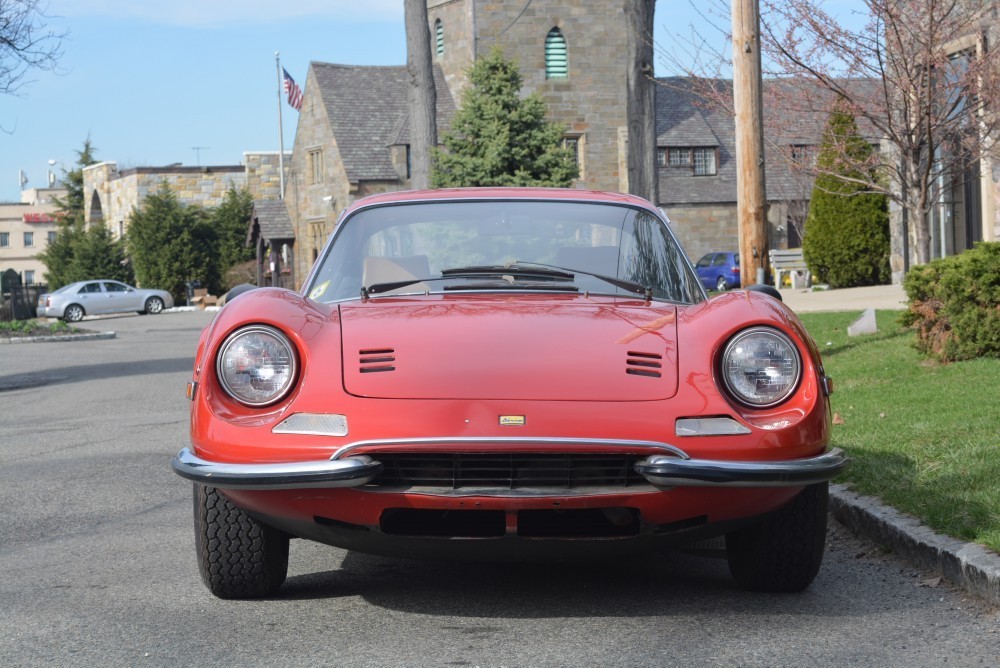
922	436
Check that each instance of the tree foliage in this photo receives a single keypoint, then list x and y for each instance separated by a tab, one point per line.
230	221
846	240
171	244
25	42
79	253
499	139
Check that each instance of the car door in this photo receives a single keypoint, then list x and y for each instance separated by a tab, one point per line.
90	297
121	298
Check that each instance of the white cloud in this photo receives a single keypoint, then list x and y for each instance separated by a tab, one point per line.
216	13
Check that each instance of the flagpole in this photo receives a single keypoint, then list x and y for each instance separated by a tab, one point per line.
281	132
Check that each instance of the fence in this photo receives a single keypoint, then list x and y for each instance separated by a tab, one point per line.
20	301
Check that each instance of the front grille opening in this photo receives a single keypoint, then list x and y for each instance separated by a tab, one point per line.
417	522
582	523
511	471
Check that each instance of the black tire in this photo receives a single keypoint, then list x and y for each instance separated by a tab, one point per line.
73	313
783	552
721	284
238	557
153	306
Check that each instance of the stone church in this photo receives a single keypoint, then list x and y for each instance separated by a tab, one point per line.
352	137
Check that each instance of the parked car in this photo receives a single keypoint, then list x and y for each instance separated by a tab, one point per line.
72	302
506	374
719	270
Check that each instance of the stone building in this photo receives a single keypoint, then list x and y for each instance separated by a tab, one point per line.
111	194
353	134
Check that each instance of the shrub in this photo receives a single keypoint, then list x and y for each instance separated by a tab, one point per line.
954	304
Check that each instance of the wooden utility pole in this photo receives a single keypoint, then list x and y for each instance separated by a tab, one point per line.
751	194
422	94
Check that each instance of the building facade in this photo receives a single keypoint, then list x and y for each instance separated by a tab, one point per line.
26	229
111	194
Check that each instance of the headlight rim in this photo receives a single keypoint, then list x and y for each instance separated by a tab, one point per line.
282	338
741	399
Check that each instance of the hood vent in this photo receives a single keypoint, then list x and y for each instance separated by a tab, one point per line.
644	364
377	359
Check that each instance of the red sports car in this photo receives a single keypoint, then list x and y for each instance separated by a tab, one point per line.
511	374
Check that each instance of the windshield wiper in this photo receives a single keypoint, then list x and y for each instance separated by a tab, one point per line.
511	273
515	269
624	284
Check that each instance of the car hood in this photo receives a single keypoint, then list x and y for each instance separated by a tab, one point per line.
574	350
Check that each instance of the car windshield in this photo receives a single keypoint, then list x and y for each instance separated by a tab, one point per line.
503	245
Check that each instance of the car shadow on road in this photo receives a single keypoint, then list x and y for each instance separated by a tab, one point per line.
89	372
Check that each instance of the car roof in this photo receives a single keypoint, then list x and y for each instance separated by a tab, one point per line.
495	193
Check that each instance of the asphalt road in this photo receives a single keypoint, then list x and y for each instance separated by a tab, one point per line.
98	569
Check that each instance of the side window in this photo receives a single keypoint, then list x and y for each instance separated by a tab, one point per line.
90	288
115	287
720	260
705	261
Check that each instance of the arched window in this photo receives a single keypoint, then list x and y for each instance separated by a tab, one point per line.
438	37
556	58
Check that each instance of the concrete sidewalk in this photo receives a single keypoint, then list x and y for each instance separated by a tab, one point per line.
848	299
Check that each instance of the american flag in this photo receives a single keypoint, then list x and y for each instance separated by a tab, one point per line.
293	91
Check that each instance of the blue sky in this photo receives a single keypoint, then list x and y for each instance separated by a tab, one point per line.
150	80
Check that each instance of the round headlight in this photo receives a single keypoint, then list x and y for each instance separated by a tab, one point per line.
761	367
256	365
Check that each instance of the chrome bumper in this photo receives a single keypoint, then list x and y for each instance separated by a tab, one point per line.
667	471
347	472
675	469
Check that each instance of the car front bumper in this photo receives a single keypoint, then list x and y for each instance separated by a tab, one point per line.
664	471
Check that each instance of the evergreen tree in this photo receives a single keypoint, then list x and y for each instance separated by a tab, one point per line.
499	139
96	254
846	241
171	245
231	221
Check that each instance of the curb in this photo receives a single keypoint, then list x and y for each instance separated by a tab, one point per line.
970	566
64	337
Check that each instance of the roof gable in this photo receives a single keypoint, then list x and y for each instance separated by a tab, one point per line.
367	107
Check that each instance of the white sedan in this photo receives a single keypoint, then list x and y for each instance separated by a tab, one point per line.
72	302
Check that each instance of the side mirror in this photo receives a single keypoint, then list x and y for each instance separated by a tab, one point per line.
766	289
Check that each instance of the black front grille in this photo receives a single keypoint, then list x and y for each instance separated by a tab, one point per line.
514	471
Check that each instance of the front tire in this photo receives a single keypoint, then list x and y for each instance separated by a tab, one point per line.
73	313
783	552
238	557
154	305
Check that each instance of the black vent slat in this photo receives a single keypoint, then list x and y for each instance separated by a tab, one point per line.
643	364
511	471
375	360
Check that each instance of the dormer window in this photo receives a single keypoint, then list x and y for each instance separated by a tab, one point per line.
439	38
700	160
556	56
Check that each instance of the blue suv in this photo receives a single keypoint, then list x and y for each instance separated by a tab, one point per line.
719	271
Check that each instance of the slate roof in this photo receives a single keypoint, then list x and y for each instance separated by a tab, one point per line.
271	216
684	119
367	109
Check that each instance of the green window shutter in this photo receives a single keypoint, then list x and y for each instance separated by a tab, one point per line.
439	37
556	56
